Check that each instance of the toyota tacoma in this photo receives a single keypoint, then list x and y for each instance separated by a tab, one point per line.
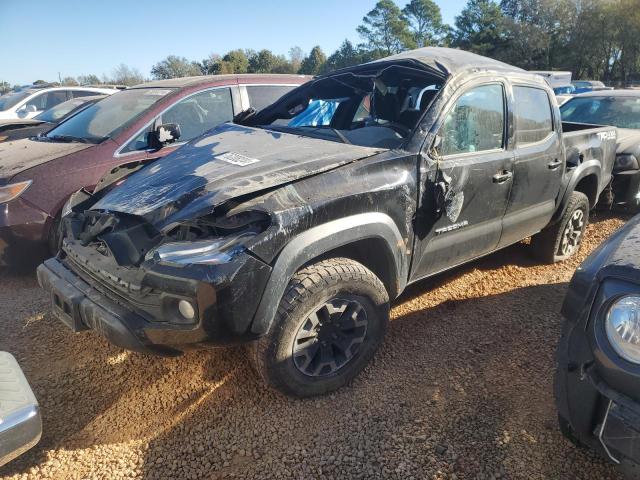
293	228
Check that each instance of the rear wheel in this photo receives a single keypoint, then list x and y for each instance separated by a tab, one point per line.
330	321
563	239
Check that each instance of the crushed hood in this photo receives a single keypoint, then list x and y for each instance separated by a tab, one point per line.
230	162
21	155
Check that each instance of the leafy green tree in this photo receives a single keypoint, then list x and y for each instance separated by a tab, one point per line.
386	29
425	22
237	61
5	87
263	61
175	67
313	64
345	56
480	28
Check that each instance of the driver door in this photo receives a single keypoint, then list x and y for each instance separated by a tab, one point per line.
467	185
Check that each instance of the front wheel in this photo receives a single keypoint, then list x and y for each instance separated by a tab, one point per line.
562	240
330	321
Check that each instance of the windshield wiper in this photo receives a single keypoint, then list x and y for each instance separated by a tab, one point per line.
67	138
71	138
340	135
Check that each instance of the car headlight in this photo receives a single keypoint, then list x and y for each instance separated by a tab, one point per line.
626	162
208	252
623	327
13	191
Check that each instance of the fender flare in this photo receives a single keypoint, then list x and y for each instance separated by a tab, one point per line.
322	239
588	167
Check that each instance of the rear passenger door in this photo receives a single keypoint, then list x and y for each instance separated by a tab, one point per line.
472	182
538	166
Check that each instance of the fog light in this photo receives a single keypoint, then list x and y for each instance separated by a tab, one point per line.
186	310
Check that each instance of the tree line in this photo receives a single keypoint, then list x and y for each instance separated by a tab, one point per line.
594	39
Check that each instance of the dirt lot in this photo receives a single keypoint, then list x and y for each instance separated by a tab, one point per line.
462	388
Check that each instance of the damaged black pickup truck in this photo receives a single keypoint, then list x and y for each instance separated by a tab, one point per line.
293	230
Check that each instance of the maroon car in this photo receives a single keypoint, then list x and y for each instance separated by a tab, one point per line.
37	175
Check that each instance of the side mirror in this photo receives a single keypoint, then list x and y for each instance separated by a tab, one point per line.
165	134
26	110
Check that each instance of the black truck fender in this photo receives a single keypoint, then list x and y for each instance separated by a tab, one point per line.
324	238
580	180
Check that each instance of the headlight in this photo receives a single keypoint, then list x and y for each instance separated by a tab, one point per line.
623	327
210	252
626	162
13	191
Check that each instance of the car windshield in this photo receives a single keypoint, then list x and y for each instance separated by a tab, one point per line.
621	112
109	116
54	114
11	99
377	111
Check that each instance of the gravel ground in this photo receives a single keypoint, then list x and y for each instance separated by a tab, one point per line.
462	388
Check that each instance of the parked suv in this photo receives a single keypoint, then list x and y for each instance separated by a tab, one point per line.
32	101
293	231
133	126
597	383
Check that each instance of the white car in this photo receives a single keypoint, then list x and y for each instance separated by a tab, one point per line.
30	102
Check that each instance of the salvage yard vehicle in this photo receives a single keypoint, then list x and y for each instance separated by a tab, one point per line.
597	384
136	125
41	123
585	86
30	102
20	421
620	108
292	236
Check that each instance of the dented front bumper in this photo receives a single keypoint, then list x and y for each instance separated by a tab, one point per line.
138	308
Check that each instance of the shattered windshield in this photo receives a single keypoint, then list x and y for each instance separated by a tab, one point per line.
377	111
621	112
109	116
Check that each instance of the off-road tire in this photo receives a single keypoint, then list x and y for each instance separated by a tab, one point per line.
310	289
547	245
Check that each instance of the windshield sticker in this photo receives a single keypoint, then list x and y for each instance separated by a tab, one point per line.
157	92
236	159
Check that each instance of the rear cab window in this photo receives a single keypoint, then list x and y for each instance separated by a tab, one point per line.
533	115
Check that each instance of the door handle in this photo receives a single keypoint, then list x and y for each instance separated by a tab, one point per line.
502	176
554	165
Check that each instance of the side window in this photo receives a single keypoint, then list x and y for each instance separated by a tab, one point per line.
534	120
200	112
364	110
475	123
261	96
45	101
195	115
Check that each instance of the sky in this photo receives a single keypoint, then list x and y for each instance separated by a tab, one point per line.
72	37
